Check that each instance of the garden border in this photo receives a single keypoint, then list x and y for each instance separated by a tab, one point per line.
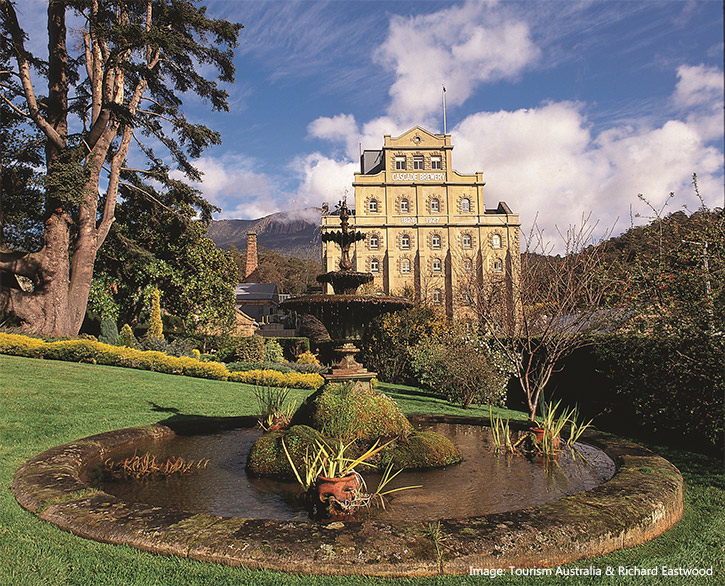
643	499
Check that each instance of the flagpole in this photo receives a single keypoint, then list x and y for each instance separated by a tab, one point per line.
445	128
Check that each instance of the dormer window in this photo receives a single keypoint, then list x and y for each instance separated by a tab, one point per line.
435	206
373	206
404	206
374	242
418	164
400	163
435	163
465	205
405	242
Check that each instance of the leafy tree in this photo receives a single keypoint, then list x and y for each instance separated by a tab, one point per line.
156	326
123	85
161	244
290	274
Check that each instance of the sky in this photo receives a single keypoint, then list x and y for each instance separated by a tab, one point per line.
570	109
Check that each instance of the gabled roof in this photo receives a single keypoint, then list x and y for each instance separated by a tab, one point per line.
255	291
416	136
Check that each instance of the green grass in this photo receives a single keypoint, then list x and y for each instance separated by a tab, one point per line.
46	403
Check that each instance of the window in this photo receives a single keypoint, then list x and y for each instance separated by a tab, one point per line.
373	206
405	242
498	266
437	265
374	265
466	241
400	163
466	298
405	266
435	241
435	206
435	163
404	206
467	265
495	241
374	242
437	296
465	205
418	164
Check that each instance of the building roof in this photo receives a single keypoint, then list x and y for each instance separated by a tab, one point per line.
255	291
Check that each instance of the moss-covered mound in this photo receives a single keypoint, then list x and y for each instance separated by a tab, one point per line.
354	413
267	457
425	449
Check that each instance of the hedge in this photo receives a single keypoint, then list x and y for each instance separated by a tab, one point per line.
274	378
93	352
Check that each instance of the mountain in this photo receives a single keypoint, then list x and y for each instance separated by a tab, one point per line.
293	233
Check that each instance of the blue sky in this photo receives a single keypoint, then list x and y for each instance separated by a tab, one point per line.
568	108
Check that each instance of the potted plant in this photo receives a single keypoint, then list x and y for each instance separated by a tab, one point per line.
547	429
330	475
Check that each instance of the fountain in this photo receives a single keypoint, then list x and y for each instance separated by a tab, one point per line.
346	313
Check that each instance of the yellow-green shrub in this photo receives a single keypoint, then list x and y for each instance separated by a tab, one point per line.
99	353
308	358
274	378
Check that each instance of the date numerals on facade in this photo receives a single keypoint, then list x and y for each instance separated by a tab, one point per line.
427	220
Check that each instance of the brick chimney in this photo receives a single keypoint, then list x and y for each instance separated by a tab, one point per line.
251	254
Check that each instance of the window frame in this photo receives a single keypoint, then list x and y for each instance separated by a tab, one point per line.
374	242
400	164
374	265
418	163
466	241
465	205
404	206
437	266
496	241
436	163
405	266
405	242
436	242
373	206
435	205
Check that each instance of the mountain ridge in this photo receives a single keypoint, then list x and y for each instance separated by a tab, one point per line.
291	233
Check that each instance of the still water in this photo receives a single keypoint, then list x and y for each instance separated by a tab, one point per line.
483	483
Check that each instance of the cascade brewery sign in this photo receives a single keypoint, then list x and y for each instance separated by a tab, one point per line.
419	176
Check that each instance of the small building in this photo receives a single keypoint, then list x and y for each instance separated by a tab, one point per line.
258	300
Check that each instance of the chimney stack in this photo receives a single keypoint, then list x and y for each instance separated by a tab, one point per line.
251	254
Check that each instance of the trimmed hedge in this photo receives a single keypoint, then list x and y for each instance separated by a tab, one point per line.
274	378
93	352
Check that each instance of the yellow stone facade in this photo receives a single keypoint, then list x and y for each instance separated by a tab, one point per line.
426	226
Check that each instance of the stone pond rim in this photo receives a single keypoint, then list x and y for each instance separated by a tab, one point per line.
642	500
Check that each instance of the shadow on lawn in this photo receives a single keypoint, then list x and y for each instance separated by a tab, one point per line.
191	424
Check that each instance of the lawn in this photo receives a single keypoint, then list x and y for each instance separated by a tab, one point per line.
45	403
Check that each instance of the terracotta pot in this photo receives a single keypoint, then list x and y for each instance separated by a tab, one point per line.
539	434
343	489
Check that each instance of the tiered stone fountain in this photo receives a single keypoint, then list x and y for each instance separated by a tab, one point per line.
346	313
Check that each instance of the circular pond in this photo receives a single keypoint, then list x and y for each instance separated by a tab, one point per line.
642	500
484	482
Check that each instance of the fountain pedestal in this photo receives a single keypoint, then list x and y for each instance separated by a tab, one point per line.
348	369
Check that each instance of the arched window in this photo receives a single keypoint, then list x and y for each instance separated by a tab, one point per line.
435	206
437	297
405	266
437	265
465	205
467	265
498	266
466	298
466	241
374	265
404	206
496	241
435	241
373	206
405	242
374	242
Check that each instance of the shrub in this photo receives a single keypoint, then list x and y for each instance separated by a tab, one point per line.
275	378
195	354
126	337
242	366
308	358
293	346
462	366
109	331
267	457
156	326
241	349
424	449
350	412
273	352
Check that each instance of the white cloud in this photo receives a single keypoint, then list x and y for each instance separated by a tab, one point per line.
322	179
698	85
462	46
544	161
231	183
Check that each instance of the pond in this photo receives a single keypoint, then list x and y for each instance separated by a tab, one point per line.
483	483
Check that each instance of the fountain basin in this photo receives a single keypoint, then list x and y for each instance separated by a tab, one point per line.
345	316
642	500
